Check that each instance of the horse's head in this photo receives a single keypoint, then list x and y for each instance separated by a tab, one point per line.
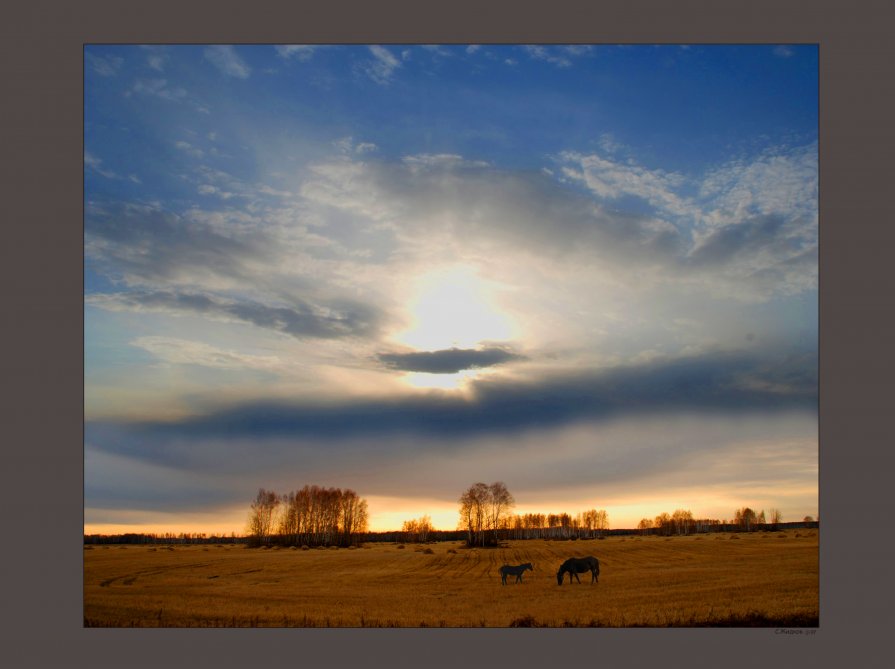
559	575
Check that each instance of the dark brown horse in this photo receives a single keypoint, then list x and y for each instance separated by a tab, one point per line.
508	570
577	566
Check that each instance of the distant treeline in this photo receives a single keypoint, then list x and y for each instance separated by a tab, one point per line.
397	536
164	538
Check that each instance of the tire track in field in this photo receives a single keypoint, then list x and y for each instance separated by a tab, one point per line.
470	560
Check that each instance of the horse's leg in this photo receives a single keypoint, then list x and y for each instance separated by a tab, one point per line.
576	577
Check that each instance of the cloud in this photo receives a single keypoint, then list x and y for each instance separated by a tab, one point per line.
490	210
347	146
577	49
780	181
728	383
436	50
301	320
208	189
611	180
158	88
543	53
156	57
783	51
146	244
622	459
93	163
189	149
104	66
302	52
177	351
225	58
766	234
382	67
449	361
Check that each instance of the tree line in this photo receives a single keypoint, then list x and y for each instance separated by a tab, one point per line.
682	522
311	516
486	516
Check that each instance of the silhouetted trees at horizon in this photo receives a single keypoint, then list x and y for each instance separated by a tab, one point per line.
311	516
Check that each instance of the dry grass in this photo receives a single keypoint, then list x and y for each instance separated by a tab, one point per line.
682	582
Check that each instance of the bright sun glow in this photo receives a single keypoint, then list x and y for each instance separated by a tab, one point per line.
454	308
440	381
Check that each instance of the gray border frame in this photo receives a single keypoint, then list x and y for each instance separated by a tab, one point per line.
41	614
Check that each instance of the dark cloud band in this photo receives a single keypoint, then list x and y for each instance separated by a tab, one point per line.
720	383
301	321
448	361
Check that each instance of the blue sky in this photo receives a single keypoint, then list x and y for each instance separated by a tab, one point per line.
358	265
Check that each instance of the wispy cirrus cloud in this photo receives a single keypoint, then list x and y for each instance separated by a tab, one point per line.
104	66
783	51
548	55
382	68
228	61
156	57
158	88
302	52
300	320
611	179
92	162
178	351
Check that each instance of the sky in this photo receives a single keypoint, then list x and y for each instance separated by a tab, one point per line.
587	271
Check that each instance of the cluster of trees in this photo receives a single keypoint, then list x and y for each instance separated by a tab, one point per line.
417	530
312	516
748	520
583	525
483	510
679	522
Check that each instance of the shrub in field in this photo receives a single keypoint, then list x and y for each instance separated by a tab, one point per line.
526	621
305	547
400	545
428	551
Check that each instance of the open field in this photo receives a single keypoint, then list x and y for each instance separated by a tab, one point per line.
716	579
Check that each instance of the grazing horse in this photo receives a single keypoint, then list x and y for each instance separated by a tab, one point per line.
517	571
577	566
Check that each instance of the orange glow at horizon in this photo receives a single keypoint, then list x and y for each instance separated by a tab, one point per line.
387	514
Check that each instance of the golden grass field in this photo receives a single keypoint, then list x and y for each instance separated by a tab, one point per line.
717	579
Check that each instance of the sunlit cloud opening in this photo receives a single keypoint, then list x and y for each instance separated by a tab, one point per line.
454	307
440	381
